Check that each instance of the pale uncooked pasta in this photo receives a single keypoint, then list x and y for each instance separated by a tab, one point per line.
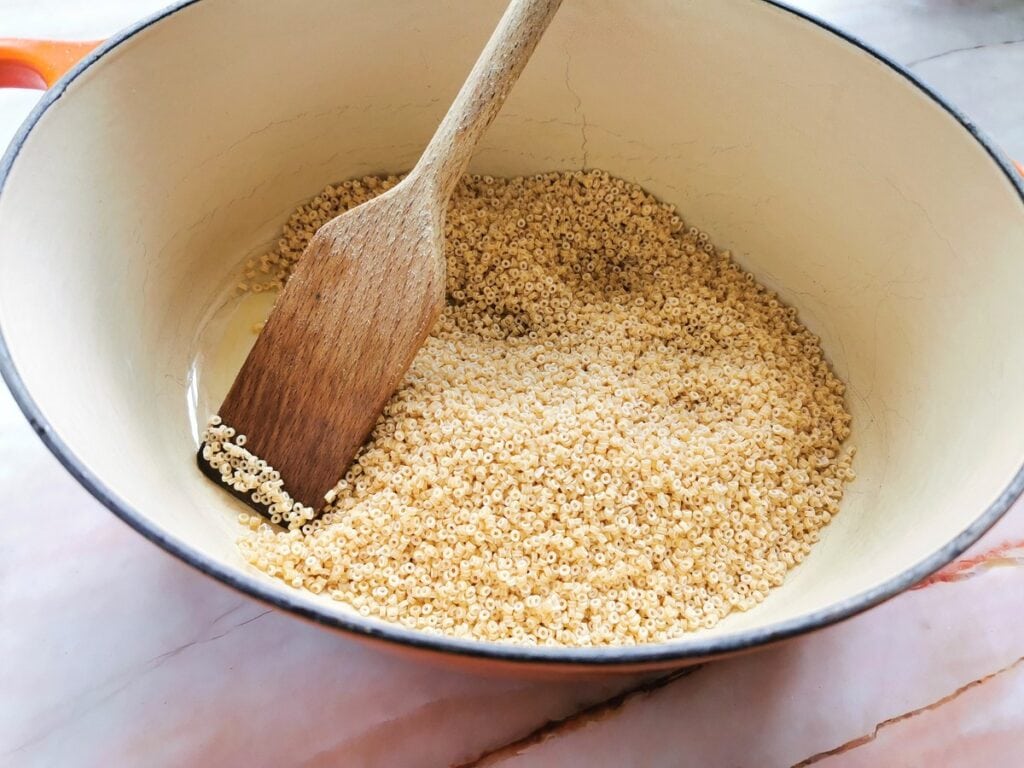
613	435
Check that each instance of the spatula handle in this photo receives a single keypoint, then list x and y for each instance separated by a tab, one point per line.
483	93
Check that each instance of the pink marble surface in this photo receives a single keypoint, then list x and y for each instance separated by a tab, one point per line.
114	654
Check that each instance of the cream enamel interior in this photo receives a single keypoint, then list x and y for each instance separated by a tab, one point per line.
832	178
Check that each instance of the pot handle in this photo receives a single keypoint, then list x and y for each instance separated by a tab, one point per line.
39	63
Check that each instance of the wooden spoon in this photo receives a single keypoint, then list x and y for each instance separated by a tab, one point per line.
365	293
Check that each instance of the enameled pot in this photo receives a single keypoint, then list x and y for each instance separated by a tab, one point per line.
178	147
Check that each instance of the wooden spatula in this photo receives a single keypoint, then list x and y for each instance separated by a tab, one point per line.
365	293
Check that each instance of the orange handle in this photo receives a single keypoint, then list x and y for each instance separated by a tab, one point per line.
38	63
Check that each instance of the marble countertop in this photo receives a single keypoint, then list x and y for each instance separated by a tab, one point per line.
112	653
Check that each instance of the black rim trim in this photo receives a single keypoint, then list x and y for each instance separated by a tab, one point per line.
681	650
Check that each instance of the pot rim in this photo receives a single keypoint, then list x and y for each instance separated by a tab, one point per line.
682	650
